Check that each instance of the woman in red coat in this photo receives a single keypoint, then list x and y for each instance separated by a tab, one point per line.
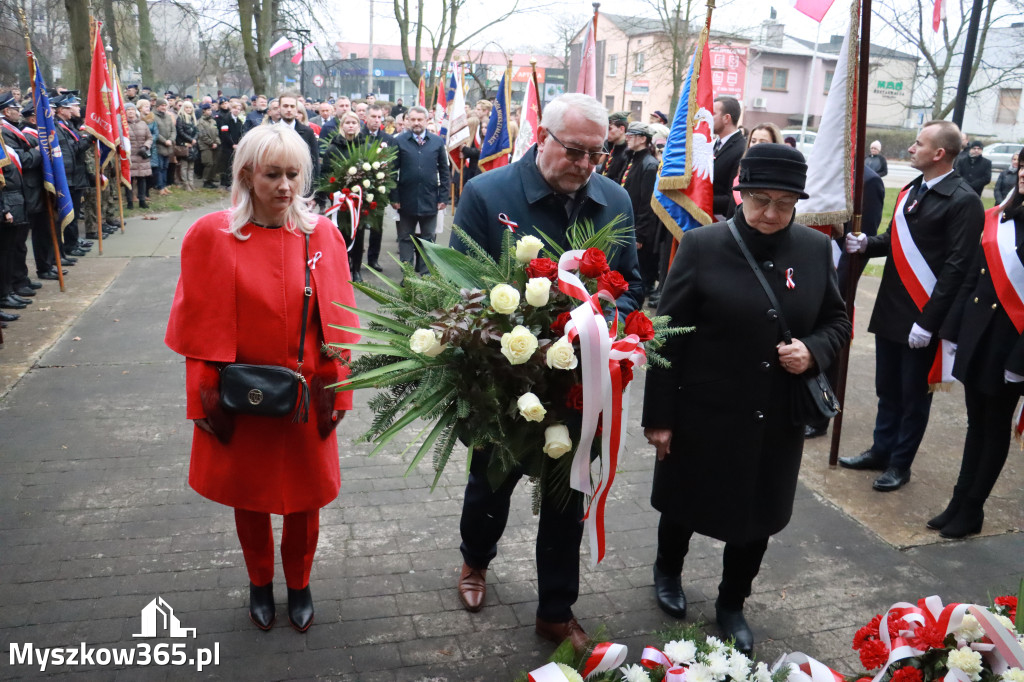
240	299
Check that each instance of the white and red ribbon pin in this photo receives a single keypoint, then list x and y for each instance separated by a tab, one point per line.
508	222
790	284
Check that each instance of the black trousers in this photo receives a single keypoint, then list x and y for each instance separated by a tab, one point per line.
740	561
8	235
355	254
42	242
425	226
559	534
373	252
19	260
987	441
71	229
904	402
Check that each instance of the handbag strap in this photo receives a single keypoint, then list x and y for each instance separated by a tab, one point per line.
307	293
786	335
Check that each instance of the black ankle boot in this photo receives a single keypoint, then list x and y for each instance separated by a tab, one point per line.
967	521
734	626
940	521
261	606
668	590
300	608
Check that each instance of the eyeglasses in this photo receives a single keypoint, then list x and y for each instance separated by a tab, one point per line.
574	155
763	201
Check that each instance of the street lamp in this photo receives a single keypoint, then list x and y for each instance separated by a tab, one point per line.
303	33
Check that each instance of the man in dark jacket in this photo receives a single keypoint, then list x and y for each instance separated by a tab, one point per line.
289	104
230	125
14	226
728	149
422	191
939	218
255	117
615	163
639	180
73	147
974	168
548	190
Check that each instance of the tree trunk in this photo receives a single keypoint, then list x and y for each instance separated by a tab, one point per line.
145	43
111	26
78	22
253	44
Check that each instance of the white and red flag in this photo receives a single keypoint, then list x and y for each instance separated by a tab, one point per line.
529	119
99	115
815	9
125	145
587	80
297	59
280	46
938	14
458	126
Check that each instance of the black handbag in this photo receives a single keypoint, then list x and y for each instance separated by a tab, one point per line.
269	390
817	400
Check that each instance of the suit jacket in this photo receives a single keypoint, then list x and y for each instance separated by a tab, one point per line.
946	227
73	150
520	192
727	164
310	138
423	175
385	139
230	133
30	180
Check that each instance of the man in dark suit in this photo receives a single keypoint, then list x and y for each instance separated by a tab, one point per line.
548	190
375	131
230	125
423	178
728	150
974	168
943	217
289	104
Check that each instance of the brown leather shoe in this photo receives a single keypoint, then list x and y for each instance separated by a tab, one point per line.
472	587
559	632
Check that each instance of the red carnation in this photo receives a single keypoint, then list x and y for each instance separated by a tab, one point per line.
574	400
639	324
542	267
907	674
873	654
333	179
613	283
593	264
1011	606
626	367
927	637
558	326
346	190
863	635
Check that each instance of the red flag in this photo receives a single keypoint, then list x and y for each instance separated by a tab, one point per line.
423	93
529	119
587	80
815	9
125	145
99	115
938	14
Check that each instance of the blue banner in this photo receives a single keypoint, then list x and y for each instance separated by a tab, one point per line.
54	179
496	145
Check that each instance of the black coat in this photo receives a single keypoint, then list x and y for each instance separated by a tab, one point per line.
12	196
877	163
987	342
727	165
735	454
309	137
423	175
615	165
1005	183
73	150
976	170
230	132
639	184
946	227
30	179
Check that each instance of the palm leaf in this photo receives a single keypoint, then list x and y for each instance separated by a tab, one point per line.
383	320
446	419
378	349
423	407
381	371
463	271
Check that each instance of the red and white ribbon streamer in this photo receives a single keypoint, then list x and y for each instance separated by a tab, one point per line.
676	674
790	284
508	222
606	656
652	658
803	668
353	200
548	673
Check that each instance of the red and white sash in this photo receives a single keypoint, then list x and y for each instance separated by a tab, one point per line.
13	156
14	131
70	132
919	281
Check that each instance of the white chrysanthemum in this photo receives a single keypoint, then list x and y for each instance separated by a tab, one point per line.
1007	623
635	673
698	672
739	666
1013	675
718	663
761	673
570	674
966	659
715	644
970	629
683	652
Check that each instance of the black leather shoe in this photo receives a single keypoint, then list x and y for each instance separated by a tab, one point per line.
262	611
67	261
892	479
8	302
25	292
84	244
734	626
668	590
939	522
77	252
48	275
869	459
815	431
968	521
375	265
300	608
357	276
22	299
9	317
34	285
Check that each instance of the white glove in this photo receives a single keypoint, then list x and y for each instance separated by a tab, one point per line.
1011	377
856	243
919	338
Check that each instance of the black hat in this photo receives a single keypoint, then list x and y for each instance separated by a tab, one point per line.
133	85
773	166
8	100
204	106
169	92
662	117
976	143
28	110
146	87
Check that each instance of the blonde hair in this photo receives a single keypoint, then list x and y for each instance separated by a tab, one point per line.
264	145
190	114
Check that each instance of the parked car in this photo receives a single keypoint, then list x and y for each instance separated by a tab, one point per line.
1000	154
803	145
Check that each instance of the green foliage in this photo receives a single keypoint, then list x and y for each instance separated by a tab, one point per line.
358	172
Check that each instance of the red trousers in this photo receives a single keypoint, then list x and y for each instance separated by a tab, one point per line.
298	545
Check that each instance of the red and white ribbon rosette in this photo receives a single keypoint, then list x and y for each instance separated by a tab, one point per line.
652	657
353	200
602	375
803	668
605	656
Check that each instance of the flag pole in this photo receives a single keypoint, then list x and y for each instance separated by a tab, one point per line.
49	200
536	88
96	25
858	204
114	84
810	88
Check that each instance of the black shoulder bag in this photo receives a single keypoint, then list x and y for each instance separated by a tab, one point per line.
269	390
817	401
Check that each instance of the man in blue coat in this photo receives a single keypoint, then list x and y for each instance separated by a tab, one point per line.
423	180
550	189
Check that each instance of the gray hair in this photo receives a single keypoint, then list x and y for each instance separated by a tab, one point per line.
418	109
584	105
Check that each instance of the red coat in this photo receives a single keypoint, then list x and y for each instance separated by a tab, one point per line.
241	301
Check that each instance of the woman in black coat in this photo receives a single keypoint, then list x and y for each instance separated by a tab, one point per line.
989	362
341	147
727	439
1006	181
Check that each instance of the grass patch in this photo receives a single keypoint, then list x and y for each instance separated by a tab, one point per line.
891	193
178	200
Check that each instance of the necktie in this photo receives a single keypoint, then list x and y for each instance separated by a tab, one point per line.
718	146
420	141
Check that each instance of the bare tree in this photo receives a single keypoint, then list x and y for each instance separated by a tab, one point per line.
78	23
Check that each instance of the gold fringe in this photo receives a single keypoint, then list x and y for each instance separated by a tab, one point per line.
944	387
830	218
667	220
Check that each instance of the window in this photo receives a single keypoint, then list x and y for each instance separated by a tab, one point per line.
638	62
636	110
609	102
1009	105
774	79
828	80
613	65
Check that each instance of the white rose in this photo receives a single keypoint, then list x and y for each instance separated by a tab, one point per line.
634	673
531	408
376	165
366	166
369	197
380	176
426	342
967	660
504	299
528	248
561	355
366	183
382	189
518	345
1013	675
538	291
557	441
682	652
352	170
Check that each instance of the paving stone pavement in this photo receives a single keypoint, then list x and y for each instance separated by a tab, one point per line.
97	520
